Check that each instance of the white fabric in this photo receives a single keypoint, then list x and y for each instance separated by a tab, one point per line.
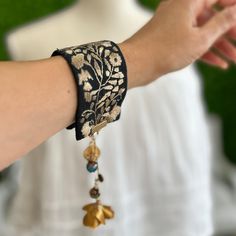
156	164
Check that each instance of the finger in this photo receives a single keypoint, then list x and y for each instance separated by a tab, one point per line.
205	16
219	24
225	3
232	33
226	48
212	59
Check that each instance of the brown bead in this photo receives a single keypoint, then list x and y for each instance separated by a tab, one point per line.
100	178
94	193
91	153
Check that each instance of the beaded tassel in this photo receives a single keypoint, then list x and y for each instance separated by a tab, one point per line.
96	212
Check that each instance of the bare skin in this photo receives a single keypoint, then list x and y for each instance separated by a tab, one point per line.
38	98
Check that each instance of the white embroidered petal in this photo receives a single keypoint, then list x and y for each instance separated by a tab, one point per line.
86	129
87	97
87	86
78	60
84	76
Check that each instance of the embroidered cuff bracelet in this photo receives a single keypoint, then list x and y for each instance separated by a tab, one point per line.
100	73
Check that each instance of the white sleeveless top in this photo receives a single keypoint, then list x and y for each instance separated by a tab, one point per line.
155	161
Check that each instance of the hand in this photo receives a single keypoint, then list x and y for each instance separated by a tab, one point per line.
180	32
223	51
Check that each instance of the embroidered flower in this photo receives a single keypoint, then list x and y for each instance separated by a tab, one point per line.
87	86
86	129
78	60
87	96
97	214
101	80
115	59
84	76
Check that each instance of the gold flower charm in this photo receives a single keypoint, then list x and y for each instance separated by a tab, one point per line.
96	214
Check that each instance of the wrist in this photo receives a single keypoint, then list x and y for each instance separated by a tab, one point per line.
143	64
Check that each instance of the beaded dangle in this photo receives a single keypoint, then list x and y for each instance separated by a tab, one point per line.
100	74
96	212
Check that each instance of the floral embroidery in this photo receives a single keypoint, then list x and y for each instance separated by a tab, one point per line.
100	72
78	60
86	129
115	59
84	76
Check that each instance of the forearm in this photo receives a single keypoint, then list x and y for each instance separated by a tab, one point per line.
37	99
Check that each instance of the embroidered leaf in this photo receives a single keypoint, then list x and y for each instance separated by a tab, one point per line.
101	50
82	120
108	87
107	103
121	90
121	81
93	92
118	75
77	50
115	89
87	115
112	95
97	68
115	48
95	56
91	105
107	53
107	73
107	64
69	51
113	82
113	102
105	96
100	105
98	117
89	58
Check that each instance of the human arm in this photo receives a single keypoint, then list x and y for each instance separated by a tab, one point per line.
38	98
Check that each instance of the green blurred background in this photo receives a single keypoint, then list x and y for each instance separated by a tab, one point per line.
219	86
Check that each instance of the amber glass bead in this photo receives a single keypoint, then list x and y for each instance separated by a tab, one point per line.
92	153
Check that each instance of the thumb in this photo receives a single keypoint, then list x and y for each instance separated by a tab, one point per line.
219	24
